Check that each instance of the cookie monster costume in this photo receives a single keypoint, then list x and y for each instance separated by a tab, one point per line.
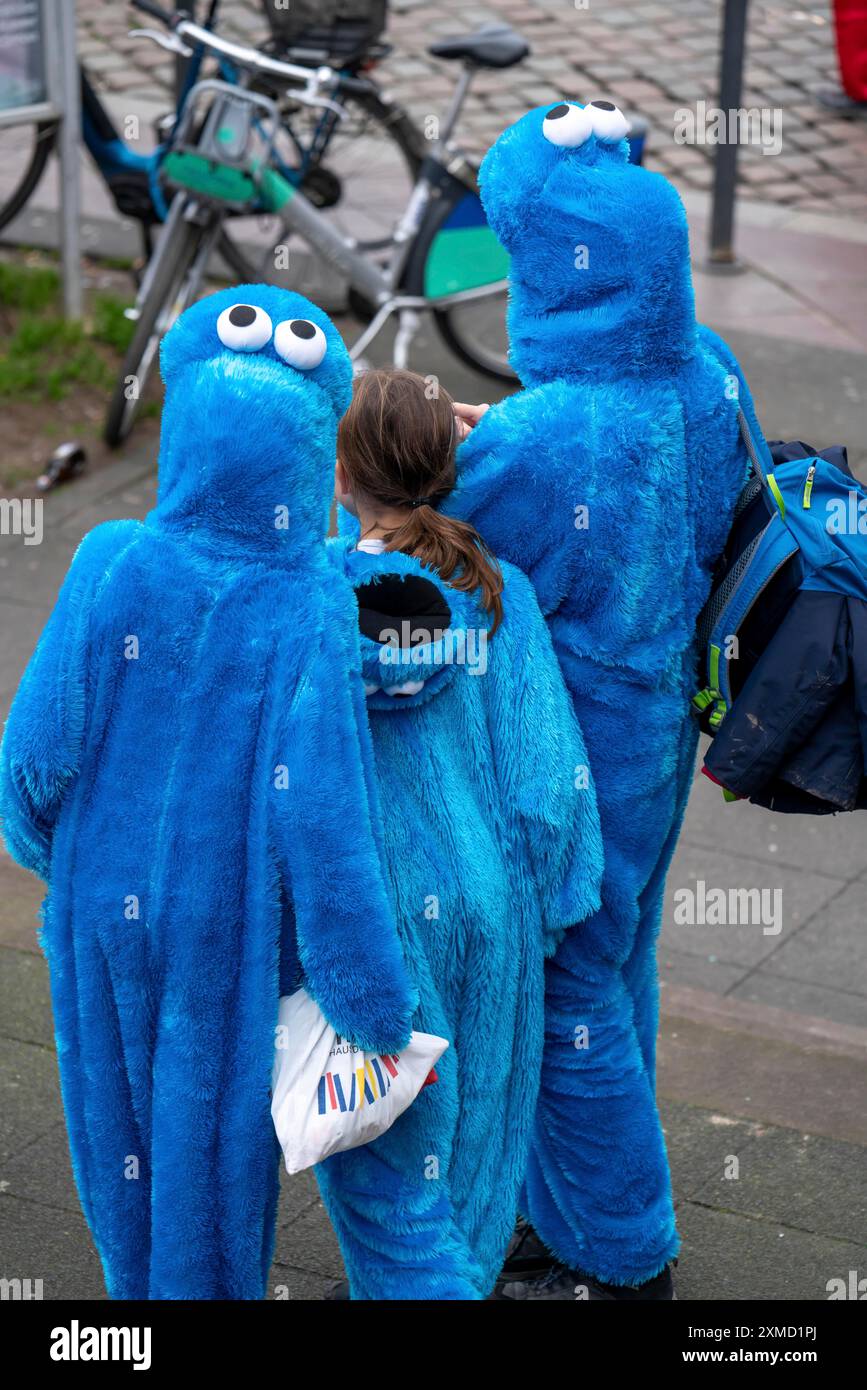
492	846
610	480
184	757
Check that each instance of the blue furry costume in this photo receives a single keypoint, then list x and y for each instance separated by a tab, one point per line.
492	845
610	479
184	755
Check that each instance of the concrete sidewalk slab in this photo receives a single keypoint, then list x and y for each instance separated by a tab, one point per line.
797	280
21	625
745	943
51	1244
790	1215
41	1173
725	1256
801	995
34	580
761	1077
25	997
776	1215
835	1206
798	1030
30	1095
20	897
831	946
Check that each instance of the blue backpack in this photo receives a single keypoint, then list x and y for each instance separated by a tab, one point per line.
783	635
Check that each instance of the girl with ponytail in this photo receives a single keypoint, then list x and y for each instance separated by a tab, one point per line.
395	464
490	841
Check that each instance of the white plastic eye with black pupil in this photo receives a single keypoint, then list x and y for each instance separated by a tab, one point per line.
567	125
608	121
244	328
300	343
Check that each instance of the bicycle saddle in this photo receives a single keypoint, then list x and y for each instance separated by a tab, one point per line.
492	46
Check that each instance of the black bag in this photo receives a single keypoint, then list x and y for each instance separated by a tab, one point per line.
783	637
334	31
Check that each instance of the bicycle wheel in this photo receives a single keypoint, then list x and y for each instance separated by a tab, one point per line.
170	290
456	252
376	147
476	333
23	157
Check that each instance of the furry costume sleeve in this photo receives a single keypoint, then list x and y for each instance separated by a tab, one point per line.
541	476
328	843
553	796
41	748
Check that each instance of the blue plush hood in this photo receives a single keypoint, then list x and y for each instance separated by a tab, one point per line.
406	603
252	469
600	281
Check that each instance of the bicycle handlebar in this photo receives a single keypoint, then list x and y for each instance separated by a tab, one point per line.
180	24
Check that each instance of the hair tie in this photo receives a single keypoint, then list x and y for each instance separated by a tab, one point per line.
431	499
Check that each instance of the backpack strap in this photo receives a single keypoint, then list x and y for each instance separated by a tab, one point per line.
749	445
710	702
767	479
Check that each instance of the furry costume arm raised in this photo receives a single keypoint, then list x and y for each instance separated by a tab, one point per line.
525	485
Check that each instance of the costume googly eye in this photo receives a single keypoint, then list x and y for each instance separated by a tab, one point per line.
300	343
244	328
608	121
567	125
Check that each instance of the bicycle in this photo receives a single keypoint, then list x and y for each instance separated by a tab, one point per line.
133	179
441	257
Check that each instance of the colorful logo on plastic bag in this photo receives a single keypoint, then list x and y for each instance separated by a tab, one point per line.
366	1085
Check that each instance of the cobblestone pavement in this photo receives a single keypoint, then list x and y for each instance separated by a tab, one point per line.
653	59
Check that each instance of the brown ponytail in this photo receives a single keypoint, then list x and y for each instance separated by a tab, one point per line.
397	445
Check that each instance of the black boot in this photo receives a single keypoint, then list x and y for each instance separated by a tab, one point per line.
526	1256
556	1284
559	1284
659	1289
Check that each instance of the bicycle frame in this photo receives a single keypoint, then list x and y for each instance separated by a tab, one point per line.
379	284
113	156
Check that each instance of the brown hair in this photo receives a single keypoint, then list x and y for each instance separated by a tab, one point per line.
397	444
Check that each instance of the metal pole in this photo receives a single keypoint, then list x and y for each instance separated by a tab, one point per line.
69	140
734	28
182	63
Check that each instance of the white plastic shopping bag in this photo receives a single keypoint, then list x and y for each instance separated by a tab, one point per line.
329	1095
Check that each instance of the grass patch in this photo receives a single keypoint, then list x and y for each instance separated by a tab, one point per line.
31	288
109	325
45	357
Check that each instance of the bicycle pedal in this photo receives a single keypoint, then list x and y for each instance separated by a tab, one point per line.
322	187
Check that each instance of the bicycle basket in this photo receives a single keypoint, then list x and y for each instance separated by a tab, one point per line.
222	148
333	31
